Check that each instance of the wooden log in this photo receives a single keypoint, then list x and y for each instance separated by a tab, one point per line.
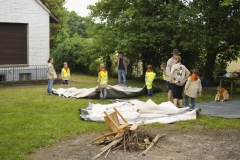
107	147
107	153
124	143
152	144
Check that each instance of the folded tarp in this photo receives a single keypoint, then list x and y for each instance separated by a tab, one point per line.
137	111
117	91
227	109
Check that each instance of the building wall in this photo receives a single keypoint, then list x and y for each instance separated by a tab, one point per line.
37	18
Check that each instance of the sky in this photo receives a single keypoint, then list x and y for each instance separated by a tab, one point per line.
80	6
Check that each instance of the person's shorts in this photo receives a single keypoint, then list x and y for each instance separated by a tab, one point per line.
177	91
168	86
65	82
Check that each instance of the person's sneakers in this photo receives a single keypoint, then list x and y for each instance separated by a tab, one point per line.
190	109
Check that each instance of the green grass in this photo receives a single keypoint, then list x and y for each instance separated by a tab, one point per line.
30	119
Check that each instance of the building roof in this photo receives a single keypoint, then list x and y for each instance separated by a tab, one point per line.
53	17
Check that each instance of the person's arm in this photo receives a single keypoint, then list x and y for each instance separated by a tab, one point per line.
98	81
171	74
52	71
187	85
69	74
168	69
62	75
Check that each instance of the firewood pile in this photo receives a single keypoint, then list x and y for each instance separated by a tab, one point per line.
124	137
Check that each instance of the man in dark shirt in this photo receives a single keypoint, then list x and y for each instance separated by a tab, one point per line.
122	64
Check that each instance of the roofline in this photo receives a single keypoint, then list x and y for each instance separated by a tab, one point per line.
44	6
54	19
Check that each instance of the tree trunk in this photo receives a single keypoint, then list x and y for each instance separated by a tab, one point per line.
209	65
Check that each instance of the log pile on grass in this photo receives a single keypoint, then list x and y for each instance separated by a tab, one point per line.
124	137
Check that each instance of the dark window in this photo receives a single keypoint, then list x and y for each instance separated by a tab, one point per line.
13	43
25	77
2	77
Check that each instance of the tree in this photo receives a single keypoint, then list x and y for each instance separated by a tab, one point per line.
143	29
217	32
78	52
78	24
205	31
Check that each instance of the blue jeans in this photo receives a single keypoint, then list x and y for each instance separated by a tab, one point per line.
49	87
122	73
150	92
192	101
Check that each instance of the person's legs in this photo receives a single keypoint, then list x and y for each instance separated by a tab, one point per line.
124	77
180	103
119	76
50	86
174	93
66	83
186	101
175	100
105	93
149	92
193	103
166	86
180	97
48	90
169	88
101	93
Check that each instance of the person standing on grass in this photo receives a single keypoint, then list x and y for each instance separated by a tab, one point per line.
122	65
102	82
51	75
65	74
164	77
170	63
192	88
178	76
149	77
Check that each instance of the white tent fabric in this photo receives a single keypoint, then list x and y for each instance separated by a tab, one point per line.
74	92
116	91
136	111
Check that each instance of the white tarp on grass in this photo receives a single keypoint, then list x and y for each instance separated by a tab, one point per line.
116	91
137	111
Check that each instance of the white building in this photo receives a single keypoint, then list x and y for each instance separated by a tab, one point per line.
24	39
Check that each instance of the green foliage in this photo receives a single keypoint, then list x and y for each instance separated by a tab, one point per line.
78	25
77	51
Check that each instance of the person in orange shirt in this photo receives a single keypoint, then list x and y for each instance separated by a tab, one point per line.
222	94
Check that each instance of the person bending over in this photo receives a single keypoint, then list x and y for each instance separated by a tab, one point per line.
222	94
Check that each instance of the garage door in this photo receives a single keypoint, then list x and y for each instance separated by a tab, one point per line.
13	43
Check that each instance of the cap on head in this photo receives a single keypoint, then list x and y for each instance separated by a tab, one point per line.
65	63
176	52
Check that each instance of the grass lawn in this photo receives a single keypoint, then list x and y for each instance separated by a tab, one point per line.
30	119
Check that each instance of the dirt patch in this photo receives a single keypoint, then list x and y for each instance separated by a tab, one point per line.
189	144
